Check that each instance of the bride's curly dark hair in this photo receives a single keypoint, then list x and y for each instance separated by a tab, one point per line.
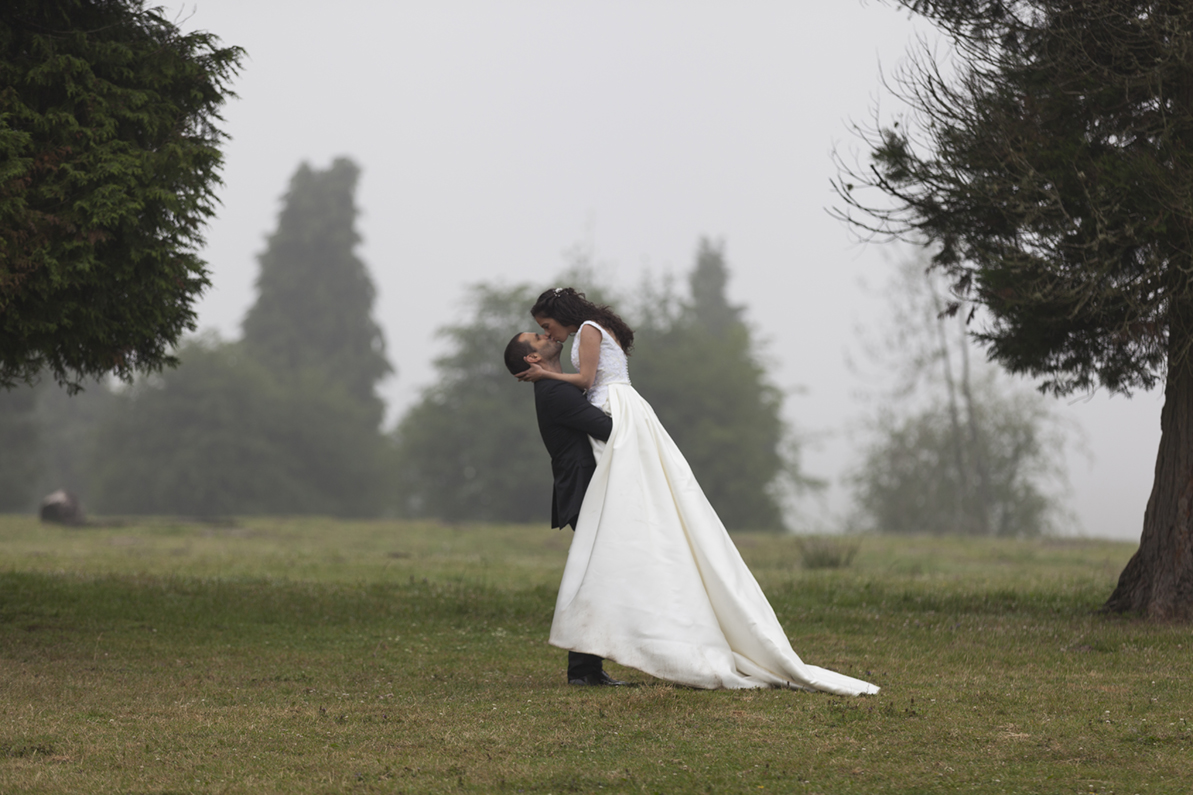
570	308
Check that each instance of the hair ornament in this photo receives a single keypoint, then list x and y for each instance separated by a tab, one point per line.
558	290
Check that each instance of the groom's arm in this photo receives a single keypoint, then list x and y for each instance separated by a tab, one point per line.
569	408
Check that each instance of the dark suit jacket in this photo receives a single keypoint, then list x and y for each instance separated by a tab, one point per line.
566	420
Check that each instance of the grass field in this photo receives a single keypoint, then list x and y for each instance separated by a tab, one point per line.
327	656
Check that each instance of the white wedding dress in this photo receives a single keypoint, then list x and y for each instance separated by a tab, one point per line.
653	581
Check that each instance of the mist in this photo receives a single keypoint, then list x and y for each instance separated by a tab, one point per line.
496	139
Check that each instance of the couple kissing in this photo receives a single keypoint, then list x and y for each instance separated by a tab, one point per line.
652	580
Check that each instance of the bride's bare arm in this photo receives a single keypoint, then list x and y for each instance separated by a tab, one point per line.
589	340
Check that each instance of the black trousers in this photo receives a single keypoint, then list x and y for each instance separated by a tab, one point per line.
581	665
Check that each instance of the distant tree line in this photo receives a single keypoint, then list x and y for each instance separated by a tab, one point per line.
469	450
110	159
287	419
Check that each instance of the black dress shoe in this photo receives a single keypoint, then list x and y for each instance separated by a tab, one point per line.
600	678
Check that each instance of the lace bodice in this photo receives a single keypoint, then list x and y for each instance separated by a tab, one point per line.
612	368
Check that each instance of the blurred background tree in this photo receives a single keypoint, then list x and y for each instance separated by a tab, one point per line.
314	306
221	435
470	449
46	434
696	361
66	424
20	448
955	446
286	421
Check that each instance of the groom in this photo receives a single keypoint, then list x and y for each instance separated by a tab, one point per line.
566	420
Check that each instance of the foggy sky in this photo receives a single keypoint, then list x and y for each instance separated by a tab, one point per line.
495	137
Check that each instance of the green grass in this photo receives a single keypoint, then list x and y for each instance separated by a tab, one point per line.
326	656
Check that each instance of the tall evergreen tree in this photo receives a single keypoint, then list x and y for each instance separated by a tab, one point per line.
700	371
1053	172
288	419
710	308
315	298
109	161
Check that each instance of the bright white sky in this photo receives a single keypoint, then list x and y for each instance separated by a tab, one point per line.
493	137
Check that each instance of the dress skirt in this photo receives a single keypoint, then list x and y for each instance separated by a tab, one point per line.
653	581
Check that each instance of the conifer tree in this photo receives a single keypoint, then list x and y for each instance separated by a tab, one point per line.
109	160
286	420
314	308
1050	163
710	308
701	374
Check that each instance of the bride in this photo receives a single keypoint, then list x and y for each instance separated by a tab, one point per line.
653	580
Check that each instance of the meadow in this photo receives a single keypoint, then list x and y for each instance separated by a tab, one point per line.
305	655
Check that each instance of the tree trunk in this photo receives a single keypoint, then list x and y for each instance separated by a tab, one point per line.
1158	580
961	497
977	443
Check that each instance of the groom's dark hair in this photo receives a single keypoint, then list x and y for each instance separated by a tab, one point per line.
516	353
